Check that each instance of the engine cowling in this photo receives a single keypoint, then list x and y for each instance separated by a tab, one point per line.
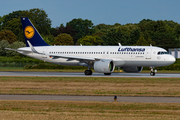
132	69
104	66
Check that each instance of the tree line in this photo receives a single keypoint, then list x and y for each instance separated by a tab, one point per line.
165	34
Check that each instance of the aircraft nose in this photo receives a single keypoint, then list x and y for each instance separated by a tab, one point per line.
172	59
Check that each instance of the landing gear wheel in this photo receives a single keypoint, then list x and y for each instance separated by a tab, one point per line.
152	73
88	72
107	73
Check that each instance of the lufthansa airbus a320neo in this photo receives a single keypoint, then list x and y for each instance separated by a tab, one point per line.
102	59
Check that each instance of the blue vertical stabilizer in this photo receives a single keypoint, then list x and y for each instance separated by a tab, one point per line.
31	34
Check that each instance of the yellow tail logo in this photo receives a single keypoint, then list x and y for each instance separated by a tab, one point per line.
29	32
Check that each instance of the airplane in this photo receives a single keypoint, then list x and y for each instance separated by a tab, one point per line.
102	59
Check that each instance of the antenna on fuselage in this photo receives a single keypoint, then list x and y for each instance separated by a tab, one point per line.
119	44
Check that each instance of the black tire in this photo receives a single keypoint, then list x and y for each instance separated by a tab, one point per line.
88	72
152	73
107	73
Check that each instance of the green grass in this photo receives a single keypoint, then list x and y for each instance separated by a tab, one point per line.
37	70
11	68
66	110
90	86
30	110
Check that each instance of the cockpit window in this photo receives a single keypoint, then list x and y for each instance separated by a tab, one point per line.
161	53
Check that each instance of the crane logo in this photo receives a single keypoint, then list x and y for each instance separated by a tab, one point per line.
29	32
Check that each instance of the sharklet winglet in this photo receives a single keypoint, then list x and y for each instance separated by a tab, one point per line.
32	48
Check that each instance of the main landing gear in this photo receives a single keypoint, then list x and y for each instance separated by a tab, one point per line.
152	73
88	72
107	73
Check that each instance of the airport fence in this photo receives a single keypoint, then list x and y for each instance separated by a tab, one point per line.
35	65
16	64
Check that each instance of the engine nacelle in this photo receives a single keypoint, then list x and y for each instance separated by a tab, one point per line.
132	69
104	66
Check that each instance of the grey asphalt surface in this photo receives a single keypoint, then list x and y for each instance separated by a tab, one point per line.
79	74
92	98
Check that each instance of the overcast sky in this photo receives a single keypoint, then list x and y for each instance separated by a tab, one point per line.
99	11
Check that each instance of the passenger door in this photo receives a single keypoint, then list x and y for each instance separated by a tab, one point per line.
148	53
44	53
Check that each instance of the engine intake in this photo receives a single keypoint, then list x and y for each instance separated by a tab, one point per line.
132	69
104	66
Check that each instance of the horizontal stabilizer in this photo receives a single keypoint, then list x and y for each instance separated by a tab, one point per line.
11	49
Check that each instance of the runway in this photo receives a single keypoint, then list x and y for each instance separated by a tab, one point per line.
79	74
92	98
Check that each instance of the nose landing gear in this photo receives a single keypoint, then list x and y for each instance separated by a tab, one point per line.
152	73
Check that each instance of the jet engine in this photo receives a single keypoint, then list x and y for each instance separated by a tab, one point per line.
104	66
132	69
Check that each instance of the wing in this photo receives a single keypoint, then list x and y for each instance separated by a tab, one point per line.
71	57
56	56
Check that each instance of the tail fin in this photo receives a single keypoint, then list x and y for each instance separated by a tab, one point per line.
31	34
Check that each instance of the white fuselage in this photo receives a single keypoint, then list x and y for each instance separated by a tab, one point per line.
121	55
